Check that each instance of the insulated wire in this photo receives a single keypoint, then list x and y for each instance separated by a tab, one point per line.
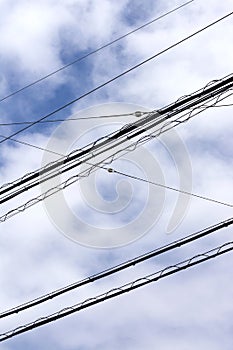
71	180
126	288
86	173
34	146
117	77
83	118
111	170
136	114
110	271
93	52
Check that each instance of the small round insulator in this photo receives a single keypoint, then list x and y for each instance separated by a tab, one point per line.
138	114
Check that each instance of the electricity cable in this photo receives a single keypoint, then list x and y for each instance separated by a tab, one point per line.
82	118
52	190
111	170
203	95
87	118
77	119
86	173
110	271
117	291
93	52
34	146
117	76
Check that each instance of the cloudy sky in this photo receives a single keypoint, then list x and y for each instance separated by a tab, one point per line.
192	309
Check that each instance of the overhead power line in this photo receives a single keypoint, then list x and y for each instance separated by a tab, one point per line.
109	159
111	170
191	102
126	288
78	118
136	114
123	266
34	146
84	118
117	77
79	59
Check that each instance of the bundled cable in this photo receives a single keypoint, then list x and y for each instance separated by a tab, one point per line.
125	265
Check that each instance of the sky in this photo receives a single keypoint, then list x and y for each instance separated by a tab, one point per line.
46	247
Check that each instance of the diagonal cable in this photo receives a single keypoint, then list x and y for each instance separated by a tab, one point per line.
126	288
111	170
132	262
130	130
118	76
52	190
79	59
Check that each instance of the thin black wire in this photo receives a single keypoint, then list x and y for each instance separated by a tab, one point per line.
126	288
108	272
117	76
94	51
111	170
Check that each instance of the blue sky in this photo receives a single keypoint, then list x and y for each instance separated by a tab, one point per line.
190	310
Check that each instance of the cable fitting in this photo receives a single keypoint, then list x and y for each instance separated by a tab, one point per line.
138	114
